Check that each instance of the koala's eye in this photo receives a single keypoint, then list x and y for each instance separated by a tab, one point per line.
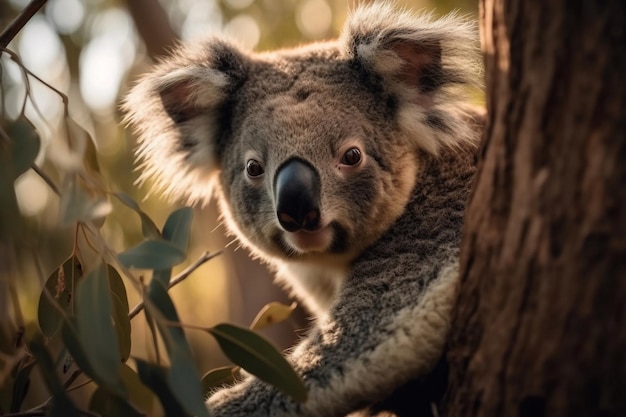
351	157
254	168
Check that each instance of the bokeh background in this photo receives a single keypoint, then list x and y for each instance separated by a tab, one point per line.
92	50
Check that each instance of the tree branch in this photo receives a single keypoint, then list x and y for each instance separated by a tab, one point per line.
206	256
18	23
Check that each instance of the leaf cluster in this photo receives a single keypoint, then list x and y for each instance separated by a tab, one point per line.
84	318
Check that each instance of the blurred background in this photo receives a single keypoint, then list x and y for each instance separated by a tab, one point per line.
92	50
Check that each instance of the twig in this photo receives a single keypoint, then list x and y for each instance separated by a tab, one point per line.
82	384
206	256
46	179
72	378
18	23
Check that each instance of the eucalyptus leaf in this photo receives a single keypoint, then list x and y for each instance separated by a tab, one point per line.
109	405
91	154
122	327
10	219
60	285
21	385
69	334
177	228
120	311
152	254
272	313
138	394
25	145
77	205
162	276
155	378
95	328
117	285
182	376
148	227
260	358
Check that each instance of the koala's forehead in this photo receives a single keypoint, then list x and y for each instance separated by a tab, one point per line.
315	94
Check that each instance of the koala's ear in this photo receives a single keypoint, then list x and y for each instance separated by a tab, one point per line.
179	111
423	62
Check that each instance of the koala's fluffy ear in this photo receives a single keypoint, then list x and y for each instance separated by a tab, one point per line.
422	61
179	111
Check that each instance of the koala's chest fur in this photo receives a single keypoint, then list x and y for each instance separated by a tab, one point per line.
317	285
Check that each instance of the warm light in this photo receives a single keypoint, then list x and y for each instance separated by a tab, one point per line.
40	47
314	18
239	4
245	29
106	58
201	19
67	15
32	193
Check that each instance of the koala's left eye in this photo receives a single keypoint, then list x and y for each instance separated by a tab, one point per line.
351	157
254	168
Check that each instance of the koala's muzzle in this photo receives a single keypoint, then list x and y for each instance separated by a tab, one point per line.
297	192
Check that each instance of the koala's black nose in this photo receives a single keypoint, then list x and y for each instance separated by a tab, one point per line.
297	192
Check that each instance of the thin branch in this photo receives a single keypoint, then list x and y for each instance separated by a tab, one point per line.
72	378
206	256
82	384
18	23
46	179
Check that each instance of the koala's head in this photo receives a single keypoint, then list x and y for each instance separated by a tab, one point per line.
313	151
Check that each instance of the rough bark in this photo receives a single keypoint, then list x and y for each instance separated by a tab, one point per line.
540	328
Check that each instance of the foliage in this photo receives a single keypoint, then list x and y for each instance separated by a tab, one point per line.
84	317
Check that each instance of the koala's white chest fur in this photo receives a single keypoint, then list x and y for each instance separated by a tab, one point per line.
317	285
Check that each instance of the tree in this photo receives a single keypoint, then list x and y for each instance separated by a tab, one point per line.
540	327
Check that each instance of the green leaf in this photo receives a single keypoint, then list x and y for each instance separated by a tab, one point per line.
122	327
95	328
61	403
272	313
90	158
117	285
152	254
216	378
10	220
69	334
138	394
148	228
109	405
21	385
259	357
177	228
77	205
155	378
60	286
182	377
25	144
120	312
162	276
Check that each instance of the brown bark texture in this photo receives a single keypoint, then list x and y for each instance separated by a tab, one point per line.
540	327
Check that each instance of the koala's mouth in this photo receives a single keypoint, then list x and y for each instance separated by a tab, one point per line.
304	241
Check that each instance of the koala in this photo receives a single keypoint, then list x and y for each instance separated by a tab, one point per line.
345	166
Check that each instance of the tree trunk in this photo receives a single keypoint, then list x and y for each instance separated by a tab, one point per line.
540	328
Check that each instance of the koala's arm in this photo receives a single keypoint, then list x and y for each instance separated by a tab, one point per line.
389	326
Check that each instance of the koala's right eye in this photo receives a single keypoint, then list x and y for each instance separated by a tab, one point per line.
254	168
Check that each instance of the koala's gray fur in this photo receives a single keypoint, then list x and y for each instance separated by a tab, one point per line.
377	264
